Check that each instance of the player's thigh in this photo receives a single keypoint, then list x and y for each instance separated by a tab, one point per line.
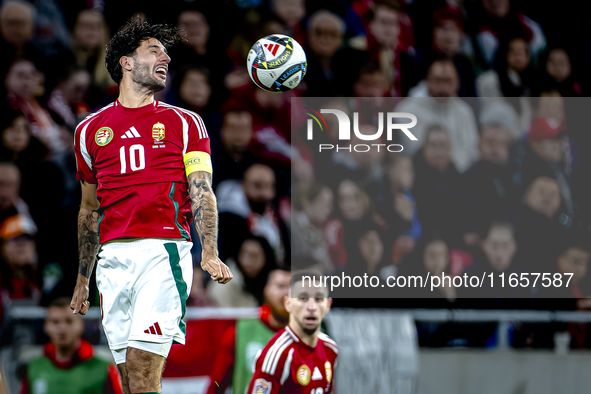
112	277
160	294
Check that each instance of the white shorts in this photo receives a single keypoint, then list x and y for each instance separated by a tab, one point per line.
144	286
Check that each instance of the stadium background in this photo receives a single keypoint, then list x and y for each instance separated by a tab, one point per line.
527	53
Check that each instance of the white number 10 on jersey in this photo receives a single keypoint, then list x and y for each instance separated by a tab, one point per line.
133	164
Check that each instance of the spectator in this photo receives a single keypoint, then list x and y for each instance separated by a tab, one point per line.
252	266
442	106
367	252
492	191
557	73
493	23
443	202
447	40
69	359
290	11
371	82
10	183
240	343
354	208
22	83
67	102
18	260
247	209
194	91
89	39
402	207
308	223
325	78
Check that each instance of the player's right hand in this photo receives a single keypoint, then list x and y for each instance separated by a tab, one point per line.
80	301
218	270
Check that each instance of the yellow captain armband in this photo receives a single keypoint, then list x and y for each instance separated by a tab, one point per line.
197	161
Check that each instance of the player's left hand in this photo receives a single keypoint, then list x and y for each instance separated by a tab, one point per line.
80	301
218	270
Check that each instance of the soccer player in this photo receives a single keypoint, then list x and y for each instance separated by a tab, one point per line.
145	171
298	359
234	363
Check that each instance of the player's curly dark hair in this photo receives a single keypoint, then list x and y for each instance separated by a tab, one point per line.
130	37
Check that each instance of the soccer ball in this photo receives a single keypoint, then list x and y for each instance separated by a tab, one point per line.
276	63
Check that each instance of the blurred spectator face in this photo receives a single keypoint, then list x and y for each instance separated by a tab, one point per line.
551	107
371	247
290	11
20	252
195	25
442	80
436	257
385	26
22	79
63	328
574	260
497	8
17	136
494	144
499	247
276	290
549	150
9	185
518	55
437	150
447	37
402	173
268	100
353	202
89	31
16	23
236	131
75	88
558	65
325	36
251	258
259	187
371	85
319	209
195	89
543	196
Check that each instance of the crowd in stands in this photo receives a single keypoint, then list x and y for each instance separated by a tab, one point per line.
495	183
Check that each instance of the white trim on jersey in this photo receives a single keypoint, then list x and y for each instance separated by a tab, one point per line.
196	119
185	130
278	355
334	349
326	338
294	336
271	353
287	366
83	148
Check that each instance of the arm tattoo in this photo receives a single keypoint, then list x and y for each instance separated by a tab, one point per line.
205	210
88	240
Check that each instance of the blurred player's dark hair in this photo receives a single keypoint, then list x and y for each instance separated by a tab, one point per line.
59	302
309	275
129	38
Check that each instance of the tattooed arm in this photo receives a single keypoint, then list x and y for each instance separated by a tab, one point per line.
205	215
88	245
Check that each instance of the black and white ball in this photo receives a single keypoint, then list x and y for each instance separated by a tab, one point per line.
276	63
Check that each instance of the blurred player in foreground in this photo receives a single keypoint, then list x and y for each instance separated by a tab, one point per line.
298	359
145	170
235	360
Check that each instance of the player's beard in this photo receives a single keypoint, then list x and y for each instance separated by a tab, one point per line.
143	76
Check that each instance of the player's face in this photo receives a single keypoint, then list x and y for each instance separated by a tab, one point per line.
150	65
307	306
276	290
63	328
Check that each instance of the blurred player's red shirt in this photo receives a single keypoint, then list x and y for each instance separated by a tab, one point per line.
288	365
136	157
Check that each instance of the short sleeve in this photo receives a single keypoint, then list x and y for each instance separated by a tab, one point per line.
198	137
84	166
269	367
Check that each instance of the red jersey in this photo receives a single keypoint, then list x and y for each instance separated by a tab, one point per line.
136	157
288	365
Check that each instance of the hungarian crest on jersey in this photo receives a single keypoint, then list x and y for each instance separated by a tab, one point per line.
103	136
158	131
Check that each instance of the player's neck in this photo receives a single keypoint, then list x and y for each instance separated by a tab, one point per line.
309	339
133	95
66	353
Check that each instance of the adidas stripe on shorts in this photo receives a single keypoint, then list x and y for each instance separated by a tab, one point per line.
144	285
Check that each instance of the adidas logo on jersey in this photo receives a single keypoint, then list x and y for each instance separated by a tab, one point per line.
316	375
131	133
154	329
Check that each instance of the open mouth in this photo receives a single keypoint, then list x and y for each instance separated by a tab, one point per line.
162	71
310	320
